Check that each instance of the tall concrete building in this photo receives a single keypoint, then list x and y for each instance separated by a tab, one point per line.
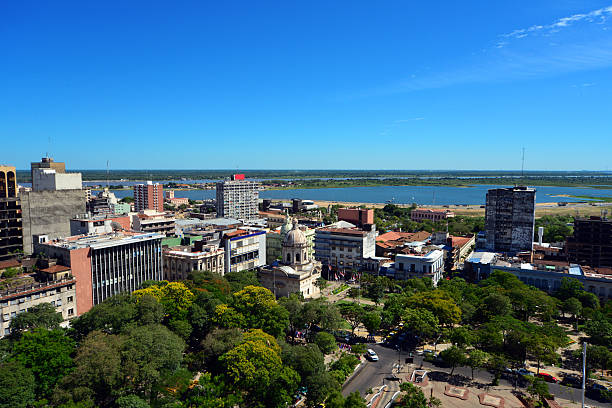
108	264
238	198
11	229
510	219
56	197
149	197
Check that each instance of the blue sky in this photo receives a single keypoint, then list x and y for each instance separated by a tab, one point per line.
299	85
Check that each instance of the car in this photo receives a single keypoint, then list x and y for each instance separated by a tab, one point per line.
572	380
523	371
547	377
597	392
371	355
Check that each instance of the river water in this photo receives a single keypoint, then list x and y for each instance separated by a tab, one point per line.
424	195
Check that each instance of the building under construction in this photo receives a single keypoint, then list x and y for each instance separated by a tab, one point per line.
591	243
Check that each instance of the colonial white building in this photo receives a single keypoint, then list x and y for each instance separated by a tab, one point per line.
430	265
297	273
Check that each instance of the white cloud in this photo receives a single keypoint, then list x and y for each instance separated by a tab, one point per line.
601	14
407	120
569	44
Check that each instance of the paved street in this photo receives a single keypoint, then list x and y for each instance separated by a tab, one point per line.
373	372
372	375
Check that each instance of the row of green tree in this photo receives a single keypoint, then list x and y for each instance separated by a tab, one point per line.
209	341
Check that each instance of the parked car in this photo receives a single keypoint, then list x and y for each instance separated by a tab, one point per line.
547	377
371	355
598	392
523	371
572	380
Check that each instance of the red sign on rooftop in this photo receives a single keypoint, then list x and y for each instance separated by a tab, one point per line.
238	177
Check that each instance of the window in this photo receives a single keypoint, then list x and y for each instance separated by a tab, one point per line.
6	317
70	299
7	331
58	302
70	312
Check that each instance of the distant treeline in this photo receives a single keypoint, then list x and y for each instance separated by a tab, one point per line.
359	177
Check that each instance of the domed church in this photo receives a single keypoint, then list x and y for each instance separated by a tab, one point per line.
297	272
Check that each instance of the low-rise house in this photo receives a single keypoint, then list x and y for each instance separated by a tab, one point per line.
428	265
422	214
178	264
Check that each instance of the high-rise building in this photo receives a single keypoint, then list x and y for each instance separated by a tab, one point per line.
510	219
56	197
238	198
149	197
107	264
11	231
591	243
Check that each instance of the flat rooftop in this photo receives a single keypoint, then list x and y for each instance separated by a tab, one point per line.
103	240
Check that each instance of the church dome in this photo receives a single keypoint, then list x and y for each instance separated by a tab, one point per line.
295	237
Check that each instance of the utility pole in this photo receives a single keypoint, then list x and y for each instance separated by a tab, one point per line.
584	347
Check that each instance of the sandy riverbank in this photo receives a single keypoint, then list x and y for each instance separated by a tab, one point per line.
477	210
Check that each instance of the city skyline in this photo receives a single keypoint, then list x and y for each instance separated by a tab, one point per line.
280	86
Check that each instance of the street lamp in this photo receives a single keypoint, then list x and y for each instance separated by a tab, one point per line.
399	357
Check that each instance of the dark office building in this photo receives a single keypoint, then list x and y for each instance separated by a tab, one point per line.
11	231
591	243
510	219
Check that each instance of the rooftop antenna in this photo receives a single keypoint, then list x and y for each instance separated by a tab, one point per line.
523	166
49	147
107	164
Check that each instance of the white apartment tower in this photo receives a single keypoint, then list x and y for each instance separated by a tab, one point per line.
238	198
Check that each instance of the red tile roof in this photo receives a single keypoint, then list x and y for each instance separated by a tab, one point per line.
55	269
9	263
236	233
459	241
403	236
